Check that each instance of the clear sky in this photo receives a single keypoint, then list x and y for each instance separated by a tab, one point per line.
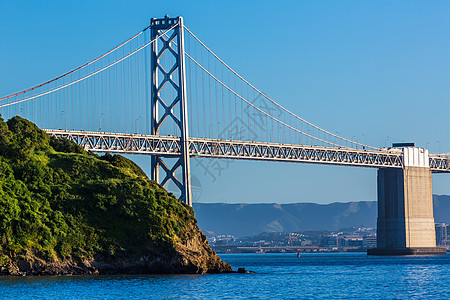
375	71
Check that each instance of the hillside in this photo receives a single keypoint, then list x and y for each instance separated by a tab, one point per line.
243	220
66	211
441	208
252	219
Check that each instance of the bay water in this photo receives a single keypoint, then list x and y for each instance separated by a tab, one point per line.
278	276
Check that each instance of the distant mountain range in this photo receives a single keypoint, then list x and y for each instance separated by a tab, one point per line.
243	220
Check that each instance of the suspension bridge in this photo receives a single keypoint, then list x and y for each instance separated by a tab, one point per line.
165	93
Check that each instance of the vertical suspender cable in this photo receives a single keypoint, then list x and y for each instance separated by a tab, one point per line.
130	84
218	107
122	84
138	98
223	106
203	94
146	128
190	94
105	85
197	97
210	125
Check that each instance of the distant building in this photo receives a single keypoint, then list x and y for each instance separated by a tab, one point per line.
441	233
329	242
306	243
350	242
370	241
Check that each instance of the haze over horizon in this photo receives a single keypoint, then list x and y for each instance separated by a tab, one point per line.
376	72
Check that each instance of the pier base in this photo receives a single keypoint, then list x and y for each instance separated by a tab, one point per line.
405	224
407	251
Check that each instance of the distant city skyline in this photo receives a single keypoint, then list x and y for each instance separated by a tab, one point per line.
376	72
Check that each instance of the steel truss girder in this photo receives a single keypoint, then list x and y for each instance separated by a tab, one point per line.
439	164
169	146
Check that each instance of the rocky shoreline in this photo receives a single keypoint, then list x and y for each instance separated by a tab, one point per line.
195	256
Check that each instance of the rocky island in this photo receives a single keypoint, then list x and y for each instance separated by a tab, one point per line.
67	211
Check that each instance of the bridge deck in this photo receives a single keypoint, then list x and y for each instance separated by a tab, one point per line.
169	146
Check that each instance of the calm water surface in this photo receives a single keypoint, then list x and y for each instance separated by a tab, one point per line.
312	276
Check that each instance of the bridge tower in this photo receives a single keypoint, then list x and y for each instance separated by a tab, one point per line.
405	224
171	42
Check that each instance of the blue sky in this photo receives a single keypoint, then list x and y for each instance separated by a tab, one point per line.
377	71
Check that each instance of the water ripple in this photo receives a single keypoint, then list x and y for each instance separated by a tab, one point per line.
313	276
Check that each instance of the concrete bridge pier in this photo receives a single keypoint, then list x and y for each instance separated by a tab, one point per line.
405	224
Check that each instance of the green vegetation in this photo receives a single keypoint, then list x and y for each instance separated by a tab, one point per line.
60	202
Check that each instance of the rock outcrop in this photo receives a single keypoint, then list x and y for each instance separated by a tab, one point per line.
66	211
193	257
